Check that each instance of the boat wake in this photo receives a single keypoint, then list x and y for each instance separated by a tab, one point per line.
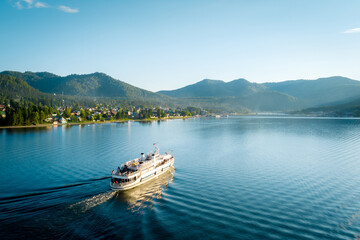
89	203
143	196
136	199
49	190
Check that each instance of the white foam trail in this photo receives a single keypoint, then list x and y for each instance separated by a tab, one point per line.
91	202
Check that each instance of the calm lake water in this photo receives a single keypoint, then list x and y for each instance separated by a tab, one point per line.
240	177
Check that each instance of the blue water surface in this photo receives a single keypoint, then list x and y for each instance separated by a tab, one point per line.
234	178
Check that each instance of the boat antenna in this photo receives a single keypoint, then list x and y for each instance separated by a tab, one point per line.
156	150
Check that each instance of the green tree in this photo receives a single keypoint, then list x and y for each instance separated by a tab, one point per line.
118	115
82	114
67	113
98	117
149	112
10	116
185	113
35	118
26	114
19	116
158	112
46	110
42	116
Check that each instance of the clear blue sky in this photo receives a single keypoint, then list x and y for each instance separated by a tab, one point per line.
172	43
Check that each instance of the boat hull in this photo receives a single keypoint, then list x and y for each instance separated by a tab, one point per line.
148	177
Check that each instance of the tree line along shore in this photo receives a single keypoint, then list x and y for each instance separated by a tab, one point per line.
14	113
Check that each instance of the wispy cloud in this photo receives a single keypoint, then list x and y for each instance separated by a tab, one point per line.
18	5
30	2
68	9
21	4
353	30
41	5
27	4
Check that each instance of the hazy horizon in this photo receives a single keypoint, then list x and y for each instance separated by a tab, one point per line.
164	45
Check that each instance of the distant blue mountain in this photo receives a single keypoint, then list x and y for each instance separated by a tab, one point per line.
217	88
238	95
322	91
278	96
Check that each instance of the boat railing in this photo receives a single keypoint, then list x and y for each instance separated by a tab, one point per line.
144	167
122	183
126	174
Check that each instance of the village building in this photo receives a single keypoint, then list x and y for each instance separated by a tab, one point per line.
62	120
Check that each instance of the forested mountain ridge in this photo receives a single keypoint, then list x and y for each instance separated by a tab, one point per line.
277	96
89	85
321	91
14	87
238	95
217	88
33	79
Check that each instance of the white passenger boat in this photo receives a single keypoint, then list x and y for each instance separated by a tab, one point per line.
140	170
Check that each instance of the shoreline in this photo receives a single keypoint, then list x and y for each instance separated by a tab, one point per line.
48	125
91	122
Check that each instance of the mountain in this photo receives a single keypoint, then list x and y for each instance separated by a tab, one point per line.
237	95
278	96
216	88
323	91
14	87
90	85
271	101
351	108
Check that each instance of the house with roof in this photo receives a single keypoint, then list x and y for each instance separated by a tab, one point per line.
62	120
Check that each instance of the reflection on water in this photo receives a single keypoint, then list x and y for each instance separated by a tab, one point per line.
136	199
26	129
145	122
143	195
240	177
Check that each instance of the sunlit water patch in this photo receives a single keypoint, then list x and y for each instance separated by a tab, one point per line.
240	177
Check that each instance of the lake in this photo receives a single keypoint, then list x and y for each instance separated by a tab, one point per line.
237	177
